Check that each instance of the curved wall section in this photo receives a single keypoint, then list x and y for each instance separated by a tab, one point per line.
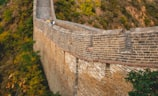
83	61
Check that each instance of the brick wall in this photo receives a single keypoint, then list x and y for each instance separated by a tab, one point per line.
135	47
83	61
143	47
72	76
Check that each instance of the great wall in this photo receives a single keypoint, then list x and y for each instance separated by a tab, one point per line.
83	61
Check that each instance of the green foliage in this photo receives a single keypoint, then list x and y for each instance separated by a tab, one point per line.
28	79
147	21
96	25
123	20
104	23
145	83
114	13
87	7
21	72
7	15
1	29
103	5
64	9
136	4
152	11
3	1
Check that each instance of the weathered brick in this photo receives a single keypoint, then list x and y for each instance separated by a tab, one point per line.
60	45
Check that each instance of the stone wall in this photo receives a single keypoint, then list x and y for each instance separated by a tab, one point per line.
72	76
143	46
83	61
132	47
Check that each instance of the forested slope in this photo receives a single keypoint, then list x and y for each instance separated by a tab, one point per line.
109	14
20	68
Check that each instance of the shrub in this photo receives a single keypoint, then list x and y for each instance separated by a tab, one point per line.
147	21
145	83
96	25
3	1
1	29
7	15
64	9
103	5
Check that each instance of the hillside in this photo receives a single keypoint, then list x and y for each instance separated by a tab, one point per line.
21	72
109	14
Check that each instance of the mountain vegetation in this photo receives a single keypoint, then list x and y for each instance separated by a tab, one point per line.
145	83
109	14
21	72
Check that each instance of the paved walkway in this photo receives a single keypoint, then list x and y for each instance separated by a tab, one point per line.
43	9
